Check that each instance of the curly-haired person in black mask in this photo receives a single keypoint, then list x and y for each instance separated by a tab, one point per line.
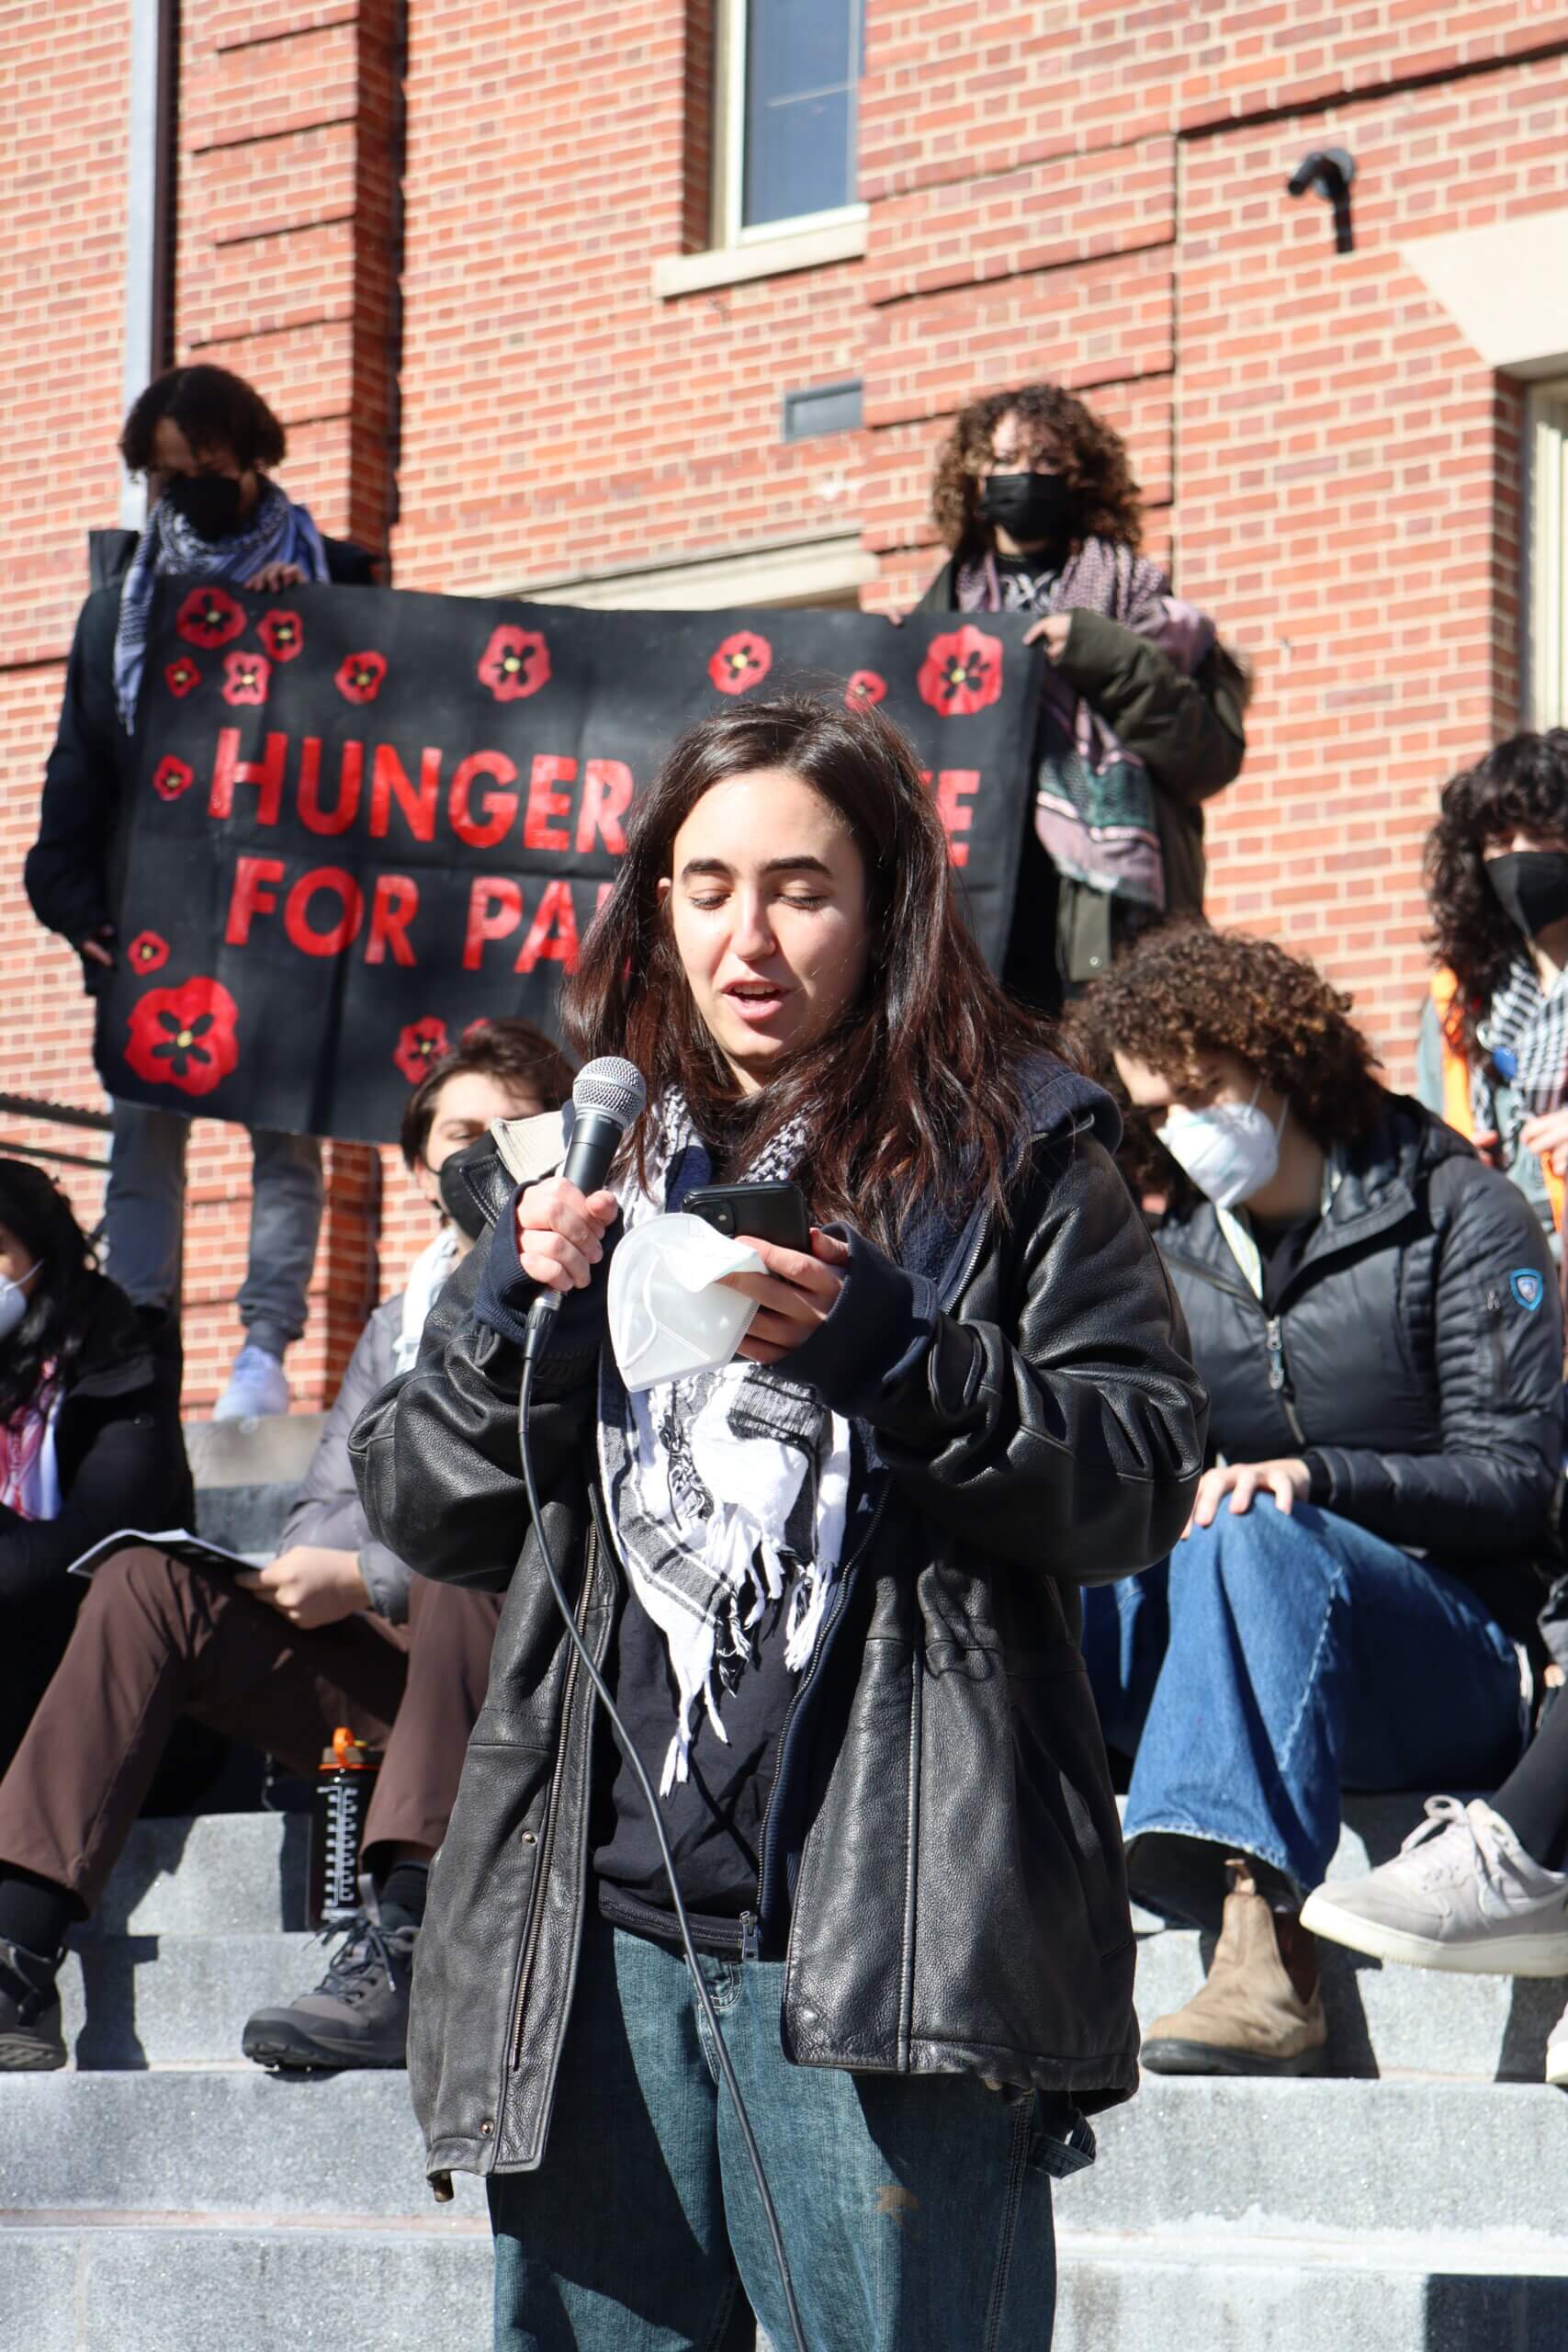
1493	1047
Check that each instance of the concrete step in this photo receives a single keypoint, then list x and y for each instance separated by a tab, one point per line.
215	2140
220	1874
130	2002
119	2283
123	2283
1275	2158
1205	2291
246	1474
1289	2158
1389	2021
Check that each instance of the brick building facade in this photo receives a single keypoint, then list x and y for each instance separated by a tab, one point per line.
491	263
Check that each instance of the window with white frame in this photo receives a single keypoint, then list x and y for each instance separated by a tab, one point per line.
787	116
1546	558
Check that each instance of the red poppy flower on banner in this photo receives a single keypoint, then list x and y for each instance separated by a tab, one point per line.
961	673
245	677
283	634
171	777
515	663
182	675
185	1036
359	675
864	689
422	1043
147	952
210	617
742	661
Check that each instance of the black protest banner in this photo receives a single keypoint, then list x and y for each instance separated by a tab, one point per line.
364	819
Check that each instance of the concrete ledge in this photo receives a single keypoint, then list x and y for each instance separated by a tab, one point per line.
271	1452
810	248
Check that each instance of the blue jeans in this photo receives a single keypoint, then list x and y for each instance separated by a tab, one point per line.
916	2211
144	1219
1277	1658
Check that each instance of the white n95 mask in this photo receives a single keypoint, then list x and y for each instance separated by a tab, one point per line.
670	1311
14	1301
1230	1151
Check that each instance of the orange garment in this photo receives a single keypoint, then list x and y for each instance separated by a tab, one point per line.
1457	1108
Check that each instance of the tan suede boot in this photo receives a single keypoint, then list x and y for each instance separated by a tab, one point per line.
1250	2017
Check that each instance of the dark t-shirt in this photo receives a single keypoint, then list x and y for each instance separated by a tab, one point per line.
714	1818
1280	1248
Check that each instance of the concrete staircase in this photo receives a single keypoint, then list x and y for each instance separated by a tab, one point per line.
1415	2201
164	2195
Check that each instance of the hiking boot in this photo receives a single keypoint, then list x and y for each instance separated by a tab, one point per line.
1460	1893
1557	2052
258	1387
1249	2018
358	2014
30	2039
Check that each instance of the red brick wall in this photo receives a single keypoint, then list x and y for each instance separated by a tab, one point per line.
449	300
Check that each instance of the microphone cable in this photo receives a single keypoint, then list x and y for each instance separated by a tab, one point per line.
780	2260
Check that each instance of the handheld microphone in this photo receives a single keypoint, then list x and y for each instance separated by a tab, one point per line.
607	1096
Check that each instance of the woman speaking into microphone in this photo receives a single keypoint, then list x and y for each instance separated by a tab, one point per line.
833	1588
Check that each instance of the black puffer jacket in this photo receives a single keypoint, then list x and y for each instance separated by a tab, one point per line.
941	1851
1416	1358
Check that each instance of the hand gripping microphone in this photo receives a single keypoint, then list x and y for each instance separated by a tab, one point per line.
608	1095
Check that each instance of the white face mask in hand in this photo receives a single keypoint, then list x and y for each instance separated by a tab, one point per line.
1230	1151
14	1301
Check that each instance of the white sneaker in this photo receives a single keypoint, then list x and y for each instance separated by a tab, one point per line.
1557	2052
257	1385
1460	1893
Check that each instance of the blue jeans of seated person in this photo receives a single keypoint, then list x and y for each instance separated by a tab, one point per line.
1277	1658
915	2210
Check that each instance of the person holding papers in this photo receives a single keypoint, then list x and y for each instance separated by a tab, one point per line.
327	1633
89	1429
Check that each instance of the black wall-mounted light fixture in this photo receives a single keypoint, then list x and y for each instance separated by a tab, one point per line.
1328	172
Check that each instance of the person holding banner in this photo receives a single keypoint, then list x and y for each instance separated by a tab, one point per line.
1493	1056
1142	715
206	441
835	1585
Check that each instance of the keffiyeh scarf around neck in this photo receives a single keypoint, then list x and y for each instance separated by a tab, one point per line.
279	531
729	1492
1525	1035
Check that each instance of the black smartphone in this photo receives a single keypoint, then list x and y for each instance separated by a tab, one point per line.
774	1213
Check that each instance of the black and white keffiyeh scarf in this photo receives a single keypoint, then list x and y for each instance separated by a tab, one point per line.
279	531
1525	1038
729	1492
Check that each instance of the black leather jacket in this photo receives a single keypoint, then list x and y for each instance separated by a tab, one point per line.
942	1861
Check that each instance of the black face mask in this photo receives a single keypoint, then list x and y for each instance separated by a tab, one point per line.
208	503
1531	887
1033	509
456	1198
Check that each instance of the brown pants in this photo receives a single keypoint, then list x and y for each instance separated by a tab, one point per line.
156	1639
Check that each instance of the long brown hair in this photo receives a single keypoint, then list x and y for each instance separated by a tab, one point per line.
913	1097
1521	787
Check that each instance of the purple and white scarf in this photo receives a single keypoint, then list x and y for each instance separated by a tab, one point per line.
1095	810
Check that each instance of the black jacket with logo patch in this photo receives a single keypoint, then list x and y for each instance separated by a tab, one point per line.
1416	1358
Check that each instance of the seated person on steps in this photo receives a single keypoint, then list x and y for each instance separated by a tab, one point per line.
334	1631
90	1437
1375	1315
